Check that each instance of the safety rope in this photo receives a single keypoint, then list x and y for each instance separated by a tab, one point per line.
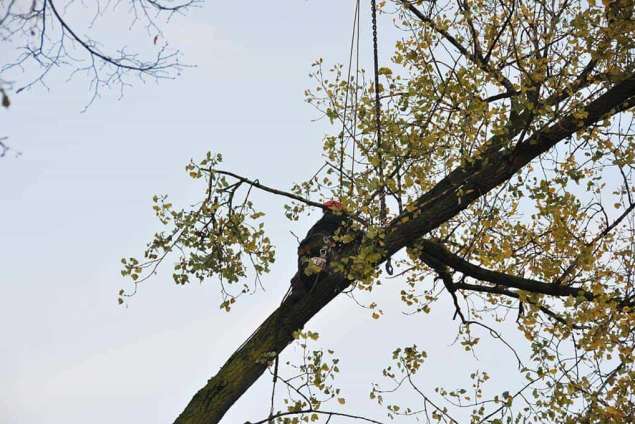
355	107
355	34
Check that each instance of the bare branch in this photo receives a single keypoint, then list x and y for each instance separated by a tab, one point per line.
318	412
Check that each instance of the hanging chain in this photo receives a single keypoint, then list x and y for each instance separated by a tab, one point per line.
382	194
382	190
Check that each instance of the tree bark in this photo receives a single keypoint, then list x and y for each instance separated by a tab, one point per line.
449	197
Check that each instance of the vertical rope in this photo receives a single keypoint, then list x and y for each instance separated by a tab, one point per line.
355	107
382	193
348	89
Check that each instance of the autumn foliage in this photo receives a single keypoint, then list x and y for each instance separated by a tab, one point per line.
506	164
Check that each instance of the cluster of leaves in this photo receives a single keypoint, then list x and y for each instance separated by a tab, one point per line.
310	385
222	237
407	362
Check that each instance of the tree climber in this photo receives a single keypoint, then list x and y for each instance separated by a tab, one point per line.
314	249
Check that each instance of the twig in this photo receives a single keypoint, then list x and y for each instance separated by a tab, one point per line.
273	387
311	411
257	184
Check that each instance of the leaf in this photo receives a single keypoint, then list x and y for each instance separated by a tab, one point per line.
614	412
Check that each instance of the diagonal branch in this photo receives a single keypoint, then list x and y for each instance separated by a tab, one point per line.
258	185
433	252
506	292
268	189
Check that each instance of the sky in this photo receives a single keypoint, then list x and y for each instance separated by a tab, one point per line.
78	199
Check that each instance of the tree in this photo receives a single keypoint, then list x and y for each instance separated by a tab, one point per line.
504	171
502	179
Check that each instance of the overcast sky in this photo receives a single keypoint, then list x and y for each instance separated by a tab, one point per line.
78	199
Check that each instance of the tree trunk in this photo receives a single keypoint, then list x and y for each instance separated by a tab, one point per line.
244	367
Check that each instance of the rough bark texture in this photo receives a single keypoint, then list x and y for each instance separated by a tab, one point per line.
450	196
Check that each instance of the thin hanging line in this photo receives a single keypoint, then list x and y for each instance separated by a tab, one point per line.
382	193
355	107
348	89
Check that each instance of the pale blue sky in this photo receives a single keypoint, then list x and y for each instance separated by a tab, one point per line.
78	199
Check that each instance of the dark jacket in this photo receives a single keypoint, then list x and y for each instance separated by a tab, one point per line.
317	237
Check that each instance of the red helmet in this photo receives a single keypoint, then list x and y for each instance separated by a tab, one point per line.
333	205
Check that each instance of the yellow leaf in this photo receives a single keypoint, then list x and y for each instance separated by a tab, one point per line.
614	412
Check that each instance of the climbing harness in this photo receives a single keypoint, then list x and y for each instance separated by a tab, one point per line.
326	247
322	260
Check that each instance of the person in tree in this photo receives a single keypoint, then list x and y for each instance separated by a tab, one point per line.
314	249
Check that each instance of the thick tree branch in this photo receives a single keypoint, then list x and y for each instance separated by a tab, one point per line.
434	251
436	256
506	292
